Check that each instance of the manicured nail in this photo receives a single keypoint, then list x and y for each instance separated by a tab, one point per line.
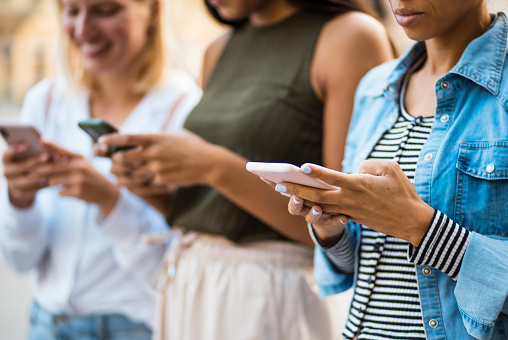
315	212
42	158
284	194
306	169
295	201
281	188
21	147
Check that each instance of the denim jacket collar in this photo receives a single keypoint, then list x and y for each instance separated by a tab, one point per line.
482	62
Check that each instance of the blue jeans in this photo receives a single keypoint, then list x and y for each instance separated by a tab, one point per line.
47	326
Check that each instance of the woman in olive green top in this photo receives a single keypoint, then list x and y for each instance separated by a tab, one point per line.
278	87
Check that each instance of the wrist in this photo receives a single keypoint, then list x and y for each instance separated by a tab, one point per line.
20	200
108	204
422	221
327	239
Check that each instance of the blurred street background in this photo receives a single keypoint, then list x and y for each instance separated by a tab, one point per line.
28	42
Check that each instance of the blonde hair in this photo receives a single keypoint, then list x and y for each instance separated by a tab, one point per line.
151	62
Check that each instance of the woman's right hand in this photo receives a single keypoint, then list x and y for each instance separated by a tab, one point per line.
23	182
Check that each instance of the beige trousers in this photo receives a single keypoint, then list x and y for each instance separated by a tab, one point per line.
213	289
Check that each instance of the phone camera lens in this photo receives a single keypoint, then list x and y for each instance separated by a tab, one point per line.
4	133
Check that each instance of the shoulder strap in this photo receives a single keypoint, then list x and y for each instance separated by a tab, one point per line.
48	104
172	110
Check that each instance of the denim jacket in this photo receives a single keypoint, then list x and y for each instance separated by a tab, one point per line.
462	171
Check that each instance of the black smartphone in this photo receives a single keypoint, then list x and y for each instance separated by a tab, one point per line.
14	133
96	128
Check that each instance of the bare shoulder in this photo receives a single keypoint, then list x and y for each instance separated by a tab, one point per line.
212	55
348	47
354	28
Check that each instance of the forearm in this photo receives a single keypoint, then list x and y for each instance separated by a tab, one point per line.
228	176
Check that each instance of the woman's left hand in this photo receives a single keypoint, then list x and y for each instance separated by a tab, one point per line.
79	179
381	197
180	158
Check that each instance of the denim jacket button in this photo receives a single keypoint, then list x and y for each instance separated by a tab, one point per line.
433	323
426	271
428	157
445	85
445	118
490	168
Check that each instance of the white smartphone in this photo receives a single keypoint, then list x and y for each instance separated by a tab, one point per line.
285	172
22	133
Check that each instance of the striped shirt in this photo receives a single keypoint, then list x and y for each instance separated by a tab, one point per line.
386	302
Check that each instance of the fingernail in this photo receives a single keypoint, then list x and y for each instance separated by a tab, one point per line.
284	194
281	188
101	139
295	201
63	160
21	147
306	169
315	212
343	220
43	157
43	182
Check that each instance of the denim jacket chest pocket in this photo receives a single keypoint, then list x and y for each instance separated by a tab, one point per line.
482	187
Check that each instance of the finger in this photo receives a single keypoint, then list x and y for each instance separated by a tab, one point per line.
314	214
332	177
308	193
23	167
101	150
270	183
135	181
14	151
295	206
128	139
60	151
150	191
26	185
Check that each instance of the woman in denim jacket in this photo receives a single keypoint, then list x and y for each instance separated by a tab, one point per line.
418	226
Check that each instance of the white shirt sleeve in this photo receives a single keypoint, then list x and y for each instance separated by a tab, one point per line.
131	219
24	233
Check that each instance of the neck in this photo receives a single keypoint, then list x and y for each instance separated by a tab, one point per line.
444	52
273	12
114	99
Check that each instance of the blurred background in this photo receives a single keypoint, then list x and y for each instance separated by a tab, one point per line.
27	53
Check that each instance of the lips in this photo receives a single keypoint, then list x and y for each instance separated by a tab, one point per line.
94	49
406	17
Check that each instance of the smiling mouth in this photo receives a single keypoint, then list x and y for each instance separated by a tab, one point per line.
94	49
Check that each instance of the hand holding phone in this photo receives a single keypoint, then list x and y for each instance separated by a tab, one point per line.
15	133
96	128
285	172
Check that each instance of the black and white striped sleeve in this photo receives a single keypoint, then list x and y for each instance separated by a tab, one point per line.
342	254
442	247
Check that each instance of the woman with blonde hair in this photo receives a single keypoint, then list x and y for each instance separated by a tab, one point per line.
63	216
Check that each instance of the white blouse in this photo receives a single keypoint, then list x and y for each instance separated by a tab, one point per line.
83	264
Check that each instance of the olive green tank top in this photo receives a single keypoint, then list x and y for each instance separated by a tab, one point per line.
260	104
